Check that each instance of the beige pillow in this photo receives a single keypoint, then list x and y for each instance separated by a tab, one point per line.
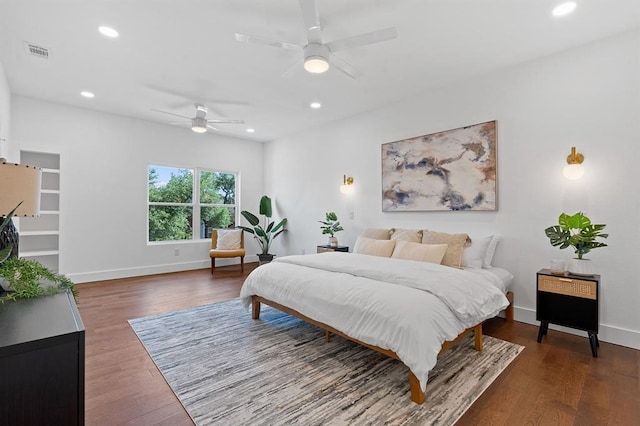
432	253
455	242
412	235
229	239
377	233
372	247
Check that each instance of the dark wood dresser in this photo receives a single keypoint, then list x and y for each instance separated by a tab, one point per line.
42	362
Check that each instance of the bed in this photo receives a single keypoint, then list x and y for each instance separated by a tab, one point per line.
404	309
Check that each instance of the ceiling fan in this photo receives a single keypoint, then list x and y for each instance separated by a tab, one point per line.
317	54
200	123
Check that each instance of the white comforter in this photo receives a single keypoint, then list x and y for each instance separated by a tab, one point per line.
408	307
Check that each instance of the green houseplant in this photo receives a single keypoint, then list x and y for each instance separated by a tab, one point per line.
264	234
330	226
578	232
28	278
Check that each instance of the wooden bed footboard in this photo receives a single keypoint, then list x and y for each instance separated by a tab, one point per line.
417	395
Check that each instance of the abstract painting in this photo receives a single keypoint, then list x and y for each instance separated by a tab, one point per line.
450	170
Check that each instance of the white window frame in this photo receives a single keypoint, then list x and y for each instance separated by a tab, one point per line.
195	204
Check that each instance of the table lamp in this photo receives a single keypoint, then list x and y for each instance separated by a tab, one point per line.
19	186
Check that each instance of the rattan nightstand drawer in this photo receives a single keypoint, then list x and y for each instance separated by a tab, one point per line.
567	286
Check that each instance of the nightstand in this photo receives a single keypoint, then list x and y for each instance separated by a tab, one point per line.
570	301
326	248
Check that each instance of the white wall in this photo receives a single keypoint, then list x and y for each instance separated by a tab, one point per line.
103	183
588	97
5	113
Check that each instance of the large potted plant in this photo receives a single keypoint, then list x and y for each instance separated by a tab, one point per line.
578	232
330	226
264	234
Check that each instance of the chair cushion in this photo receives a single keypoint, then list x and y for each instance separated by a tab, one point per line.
226	253
229	239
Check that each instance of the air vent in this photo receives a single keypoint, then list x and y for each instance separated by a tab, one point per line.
37	50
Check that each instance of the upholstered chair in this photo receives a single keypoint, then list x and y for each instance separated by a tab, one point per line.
227	243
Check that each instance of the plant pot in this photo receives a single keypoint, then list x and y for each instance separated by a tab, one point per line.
582	267
265	258
333	242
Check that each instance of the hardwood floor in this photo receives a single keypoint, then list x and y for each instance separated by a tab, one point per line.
553	383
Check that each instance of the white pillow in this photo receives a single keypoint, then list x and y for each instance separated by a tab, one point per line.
474	255
372	247
491	250
229	239
432	253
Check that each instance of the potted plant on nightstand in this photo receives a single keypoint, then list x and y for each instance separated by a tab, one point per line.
264	235
578	232
331	225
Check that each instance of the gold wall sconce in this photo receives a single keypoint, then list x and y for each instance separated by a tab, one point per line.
347	185
574	168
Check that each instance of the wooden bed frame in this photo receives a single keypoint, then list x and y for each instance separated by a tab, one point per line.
417	395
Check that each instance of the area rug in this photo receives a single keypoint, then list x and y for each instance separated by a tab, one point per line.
226	368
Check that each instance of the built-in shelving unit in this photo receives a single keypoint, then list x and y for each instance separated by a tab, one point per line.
40	236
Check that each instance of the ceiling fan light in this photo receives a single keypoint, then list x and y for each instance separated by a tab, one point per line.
199	125
316	64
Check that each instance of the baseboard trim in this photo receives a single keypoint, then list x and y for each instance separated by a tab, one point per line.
85	277
608	333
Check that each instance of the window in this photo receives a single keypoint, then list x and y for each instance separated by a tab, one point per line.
217	201
184	208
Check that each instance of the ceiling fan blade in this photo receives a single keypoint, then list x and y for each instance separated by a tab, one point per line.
245	38
213	128
179	123
293	69
362	39
311	20
345	67
217	121
170	113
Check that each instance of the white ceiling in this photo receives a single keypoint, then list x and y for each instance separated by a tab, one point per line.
172	53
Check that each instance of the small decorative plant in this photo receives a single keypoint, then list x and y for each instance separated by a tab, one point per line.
331	224
576	231
266	233
28	278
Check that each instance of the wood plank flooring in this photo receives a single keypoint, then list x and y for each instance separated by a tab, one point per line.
553	383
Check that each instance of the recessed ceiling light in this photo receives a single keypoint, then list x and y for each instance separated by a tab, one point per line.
564	8
250	130
87	94
108	32
315	105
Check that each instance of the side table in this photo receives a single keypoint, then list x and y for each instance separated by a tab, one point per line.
570	301
326	248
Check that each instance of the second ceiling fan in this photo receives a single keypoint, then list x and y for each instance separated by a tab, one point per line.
200	123
319	55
